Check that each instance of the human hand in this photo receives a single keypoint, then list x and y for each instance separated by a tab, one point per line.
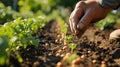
86	12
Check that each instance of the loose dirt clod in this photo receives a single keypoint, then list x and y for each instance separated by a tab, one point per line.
65	42
46	44
94	61
83	56
68	54
56	40
59	36
62	55
59	51
89	51
65	47
76	61
58	54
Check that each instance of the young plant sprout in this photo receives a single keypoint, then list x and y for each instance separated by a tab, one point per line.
72	46
68	38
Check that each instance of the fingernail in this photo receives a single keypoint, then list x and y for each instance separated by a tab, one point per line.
80	26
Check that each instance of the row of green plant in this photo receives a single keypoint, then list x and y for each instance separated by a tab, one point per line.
69	39
34	8
18	33
6	13
110	20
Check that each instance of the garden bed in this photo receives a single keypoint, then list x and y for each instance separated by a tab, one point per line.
94	49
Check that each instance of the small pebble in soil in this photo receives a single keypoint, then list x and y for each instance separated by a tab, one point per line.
59	51
65	47
103	64
59	36
89	51
50	54
65	42
94	61
61	39
66	56
82	56
56	40
59	64
62	55
62	36
56	48
36	64
58	54
46	44
76	61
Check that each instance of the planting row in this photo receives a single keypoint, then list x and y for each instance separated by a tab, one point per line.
18	33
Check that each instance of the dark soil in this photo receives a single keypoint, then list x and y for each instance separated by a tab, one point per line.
94	45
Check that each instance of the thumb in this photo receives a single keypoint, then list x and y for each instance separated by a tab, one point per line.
84	22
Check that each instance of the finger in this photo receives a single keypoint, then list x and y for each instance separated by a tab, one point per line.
83	24
70	23
76	15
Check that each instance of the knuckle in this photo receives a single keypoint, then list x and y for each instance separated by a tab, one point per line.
80	3
70	19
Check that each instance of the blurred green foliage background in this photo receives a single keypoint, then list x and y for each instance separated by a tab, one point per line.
12	9
51	9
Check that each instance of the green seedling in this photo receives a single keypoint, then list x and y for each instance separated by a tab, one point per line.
63	25
72	46
69	38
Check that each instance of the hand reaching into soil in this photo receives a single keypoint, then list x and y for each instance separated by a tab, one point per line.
85	13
